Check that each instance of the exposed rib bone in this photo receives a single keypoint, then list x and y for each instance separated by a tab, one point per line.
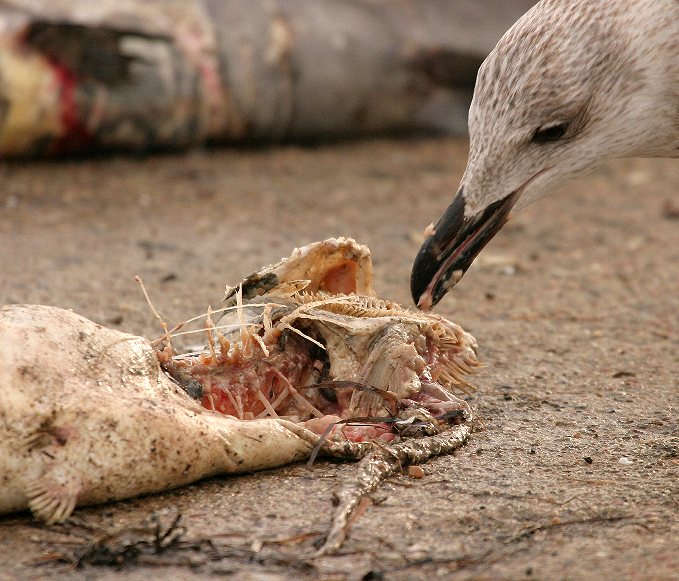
267	405
298	397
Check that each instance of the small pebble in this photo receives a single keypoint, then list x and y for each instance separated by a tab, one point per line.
11	202
670	210
625	461
415	472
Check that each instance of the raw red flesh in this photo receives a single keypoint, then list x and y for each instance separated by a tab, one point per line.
232	388
238	384
354	432
238	388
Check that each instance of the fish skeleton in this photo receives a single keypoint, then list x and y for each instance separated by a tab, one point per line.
305	359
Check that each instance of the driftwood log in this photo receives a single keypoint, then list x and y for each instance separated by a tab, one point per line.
136	75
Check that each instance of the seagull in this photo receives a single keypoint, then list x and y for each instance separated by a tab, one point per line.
573	83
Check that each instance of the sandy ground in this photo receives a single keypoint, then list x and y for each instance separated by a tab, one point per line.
573	473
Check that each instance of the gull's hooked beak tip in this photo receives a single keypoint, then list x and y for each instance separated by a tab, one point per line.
452	246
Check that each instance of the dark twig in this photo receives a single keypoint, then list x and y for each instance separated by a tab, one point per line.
531	530
152	543
123	546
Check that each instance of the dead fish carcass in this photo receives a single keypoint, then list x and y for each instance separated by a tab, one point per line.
89	414
297	341
143	75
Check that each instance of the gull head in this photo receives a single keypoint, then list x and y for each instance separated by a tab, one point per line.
571	84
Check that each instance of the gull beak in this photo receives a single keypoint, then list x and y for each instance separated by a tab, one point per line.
447	254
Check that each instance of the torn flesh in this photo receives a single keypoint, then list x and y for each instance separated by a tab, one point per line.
303	361
347	366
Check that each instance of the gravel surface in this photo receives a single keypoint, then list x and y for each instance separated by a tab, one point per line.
572	472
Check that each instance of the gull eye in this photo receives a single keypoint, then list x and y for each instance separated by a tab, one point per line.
549	133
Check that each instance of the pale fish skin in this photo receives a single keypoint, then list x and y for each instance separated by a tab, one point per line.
87	416
572	84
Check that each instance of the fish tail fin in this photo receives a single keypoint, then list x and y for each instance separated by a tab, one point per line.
54	495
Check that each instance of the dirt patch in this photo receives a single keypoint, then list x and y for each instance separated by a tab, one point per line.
573	474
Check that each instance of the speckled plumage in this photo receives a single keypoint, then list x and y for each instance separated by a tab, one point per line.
572	84
609	68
